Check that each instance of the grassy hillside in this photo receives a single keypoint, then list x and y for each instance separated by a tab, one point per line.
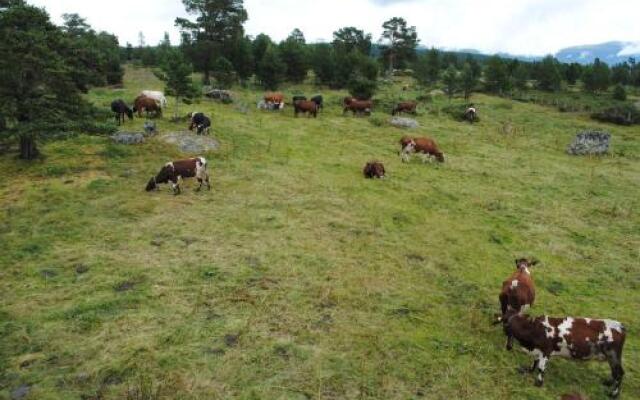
295	278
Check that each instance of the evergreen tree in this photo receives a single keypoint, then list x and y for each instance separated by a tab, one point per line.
361	87
324	64
496	77
450	80
427	68
475	66
468	80
223	73
293	53
176	73
39	86
621	74
242	58
271	69
259	46
619	93
398	43
549	78
596	77
350	38
572	73
521	76
217	28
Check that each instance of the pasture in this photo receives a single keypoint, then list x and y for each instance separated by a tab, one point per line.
295	277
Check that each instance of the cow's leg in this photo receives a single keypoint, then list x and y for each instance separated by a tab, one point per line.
509	342
199	186
529	370
542	365
615	362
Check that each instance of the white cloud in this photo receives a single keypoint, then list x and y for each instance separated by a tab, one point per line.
630	49
523	26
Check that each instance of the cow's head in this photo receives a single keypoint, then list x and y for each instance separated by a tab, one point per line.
129	113
525	262
151	185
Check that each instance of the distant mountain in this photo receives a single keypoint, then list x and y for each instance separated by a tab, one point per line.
610	52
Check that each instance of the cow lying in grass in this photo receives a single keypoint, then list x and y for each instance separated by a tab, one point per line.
518	291
573	338
422	145
374	169
173	172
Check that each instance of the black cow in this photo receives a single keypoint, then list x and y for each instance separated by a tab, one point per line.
120	108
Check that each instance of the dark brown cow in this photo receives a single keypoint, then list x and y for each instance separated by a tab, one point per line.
421	145
574	338
173	172
347	100
358	106
147	104
405	106
305	106
518	291
374	169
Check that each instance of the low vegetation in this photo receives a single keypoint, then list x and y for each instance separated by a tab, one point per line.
295	277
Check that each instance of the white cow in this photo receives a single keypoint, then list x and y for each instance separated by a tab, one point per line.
157	96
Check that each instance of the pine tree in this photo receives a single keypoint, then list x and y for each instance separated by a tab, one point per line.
271	69
427	68
549	78
450	80
176	73
350	38
468	80
398	43
293	53
496	77
223	73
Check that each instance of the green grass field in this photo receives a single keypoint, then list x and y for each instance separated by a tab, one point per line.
296	278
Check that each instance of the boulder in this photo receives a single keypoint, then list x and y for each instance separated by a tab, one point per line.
402	122
590	143
190	143
128	138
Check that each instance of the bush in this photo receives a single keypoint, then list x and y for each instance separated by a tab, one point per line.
619	93
620	115
361	87
378	120
457	111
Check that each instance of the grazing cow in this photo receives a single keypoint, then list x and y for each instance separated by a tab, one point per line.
518	291
405	106
319	101
471	114
305	106
156	95
275	99
201	122
358	107
347	100
120	108
374	169
421	145
574	338
147	104
176	170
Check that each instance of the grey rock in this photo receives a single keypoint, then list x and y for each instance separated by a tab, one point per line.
192	144
590	143
20	392
402	122
128	138
150	128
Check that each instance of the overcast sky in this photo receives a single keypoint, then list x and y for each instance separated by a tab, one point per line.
532	27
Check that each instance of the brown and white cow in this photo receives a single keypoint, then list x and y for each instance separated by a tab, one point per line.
405	107
573	338
422	145
518	291
374	169
173	172
360	107
274	100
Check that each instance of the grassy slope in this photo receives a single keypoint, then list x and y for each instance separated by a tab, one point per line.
337	287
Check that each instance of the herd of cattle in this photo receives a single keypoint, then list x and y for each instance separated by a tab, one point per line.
542	337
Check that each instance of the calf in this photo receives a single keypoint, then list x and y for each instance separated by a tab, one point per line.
518	291
358	106
176	170
374	169
305	106
471	114
120	108
421	145
405	106
574	338
201	122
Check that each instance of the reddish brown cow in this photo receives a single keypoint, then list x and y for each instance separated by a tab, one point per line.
358	107
374	169
305	106
518	291
347	100
173	172
573	338
274	97
148	104
405	106
421	145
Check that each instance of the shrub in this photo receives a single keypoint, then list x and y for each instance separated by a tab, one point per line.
619	93
457	110
620	115
361	87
